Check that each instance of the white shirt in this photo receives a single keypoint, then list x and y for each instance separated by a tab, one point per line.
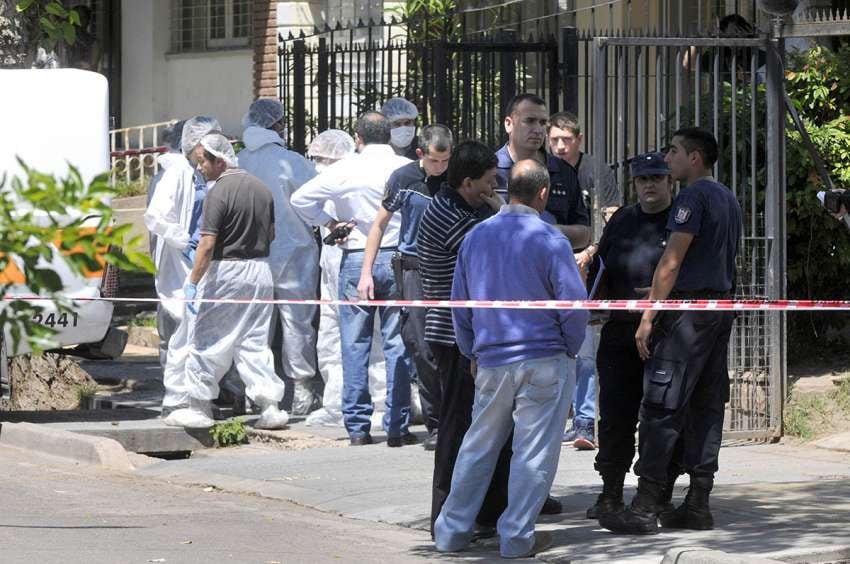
356	186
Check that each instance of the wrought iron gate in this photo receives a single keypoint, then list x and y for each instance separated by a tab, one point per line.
329	79
643	89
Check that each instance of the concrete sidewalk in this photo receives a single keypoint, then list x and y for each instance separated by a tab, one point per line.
777	501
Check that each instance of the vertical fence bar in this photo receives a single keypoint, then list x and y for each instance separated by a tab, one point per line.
507	70
600	121
554	75
716	122
299	52
639	101
775	217
441	85
660	95
322	84
622	129
733	137
569	40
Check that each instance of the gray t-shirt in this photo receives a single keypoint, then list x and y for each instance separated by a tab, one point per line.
609	193
239	211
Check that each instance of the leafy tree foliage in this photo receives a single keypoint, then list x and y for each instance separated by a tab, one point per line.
40	216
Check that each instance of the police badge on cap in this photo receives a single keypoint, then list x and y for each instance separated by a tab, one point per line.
683	214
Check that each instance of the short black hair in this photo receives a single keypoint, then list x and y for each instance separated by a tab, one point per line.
373	128
565	120
435	137
519	99
698	139
733	25
526	180
470	159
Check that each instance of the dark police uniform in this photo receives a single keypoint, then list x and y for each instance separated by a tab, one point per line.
630	248
686	379
566	205
409	191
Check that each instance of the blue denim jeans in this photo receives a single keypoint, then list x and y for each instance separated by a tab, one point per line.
584	400
531	398
356	325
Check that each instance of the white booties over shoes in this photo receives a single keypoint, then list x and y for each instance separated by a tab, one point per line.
271	417
197	416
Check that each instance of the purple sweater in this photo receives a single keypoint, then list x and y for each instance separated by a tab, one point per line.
514	255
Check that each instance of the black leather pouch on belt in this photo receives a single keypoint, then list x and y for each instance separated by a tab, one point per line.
398	268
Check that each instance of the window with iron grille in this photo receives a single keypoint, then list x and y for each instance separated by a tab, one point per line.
201	25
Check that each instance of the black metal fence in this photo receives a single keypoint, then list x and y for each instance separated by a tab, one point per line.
327	80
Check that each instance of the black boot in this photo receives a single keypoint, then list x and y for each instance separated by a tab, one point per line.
611	498
665	503
641	517
694	513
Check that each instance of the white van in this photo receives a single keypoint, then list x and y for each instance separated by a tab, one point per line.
50	118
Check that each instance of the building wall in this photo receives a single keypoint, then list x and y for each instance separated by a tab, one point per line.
158	86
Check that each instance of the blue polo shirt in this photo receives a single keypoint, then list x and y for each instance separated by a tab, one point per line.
565	206
197	210
410	190
710	212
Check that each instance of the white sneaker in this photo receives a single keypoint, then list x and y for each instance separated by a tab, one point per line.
272	418
324	418
197	416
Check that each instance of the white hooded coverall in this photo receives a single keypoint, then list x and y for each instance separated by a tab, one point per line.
293	256
168	216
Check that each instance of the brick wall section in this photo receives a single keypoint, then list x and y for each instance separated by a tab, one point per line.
265	49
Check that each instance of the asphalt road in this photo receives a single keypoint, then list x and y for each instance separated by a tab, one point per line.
56	512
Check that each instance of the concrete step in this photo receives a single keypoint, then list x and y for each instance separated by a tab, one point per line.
137	430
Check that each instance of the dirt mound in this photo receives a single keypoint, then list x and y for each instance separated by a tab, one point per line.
44	382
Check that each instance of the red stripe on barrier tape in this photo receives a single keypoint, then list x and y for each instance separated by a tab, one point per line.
668	305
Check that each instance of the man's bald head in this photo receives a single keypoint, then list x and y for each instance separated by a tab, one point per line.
528	178
373	128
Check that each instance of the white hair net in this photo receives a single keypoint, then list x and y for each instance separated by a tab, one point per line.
218	145
172	136
264	112
194	130
399	108
331	144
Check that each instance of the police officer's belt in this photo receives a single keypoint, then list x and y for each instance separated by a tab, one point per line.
692	295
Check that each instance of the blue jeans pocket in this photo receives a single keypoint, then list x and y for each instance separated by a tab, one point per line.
543	386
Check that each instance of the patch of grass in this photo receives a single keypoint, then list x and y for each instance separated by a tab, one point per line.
143	319
132	188
85	392
229	433
841	395
811	415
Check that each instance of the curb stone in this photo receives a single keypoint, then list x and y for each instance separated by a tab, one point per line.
700	555
86	449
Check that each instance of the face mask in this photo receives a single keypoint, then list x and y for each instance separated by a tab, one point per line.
402	136
320	167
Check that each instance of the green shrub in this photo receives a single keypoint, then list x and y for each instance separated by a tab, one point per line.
818	246
802	415
229	433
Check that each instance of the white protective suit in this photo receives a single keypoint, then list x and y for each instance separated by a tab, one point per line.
294	255
168	216
224	334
